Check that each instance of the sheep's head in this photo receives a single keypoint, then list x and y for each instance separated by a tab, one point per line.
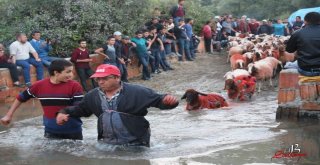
192	96
230	85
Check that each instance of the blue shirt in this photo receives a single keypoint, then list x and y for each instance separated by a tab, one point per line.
141	45
41	47
188	28
278	29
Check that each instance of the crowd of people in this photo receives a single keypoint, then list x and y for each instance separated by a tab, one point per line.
216	31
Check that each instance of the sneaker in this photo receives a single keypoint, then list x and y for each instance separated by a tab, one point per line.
170	68
157	71
179	55
19	85
28	84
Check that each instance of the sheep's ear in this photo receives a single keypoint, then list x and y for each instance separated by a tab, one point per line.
184	96
202	94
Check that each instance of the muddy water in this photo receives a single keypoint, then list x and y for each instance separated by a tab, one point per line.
245	133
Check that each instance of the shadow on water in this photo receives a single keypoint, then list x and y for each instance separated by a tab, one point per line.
245	133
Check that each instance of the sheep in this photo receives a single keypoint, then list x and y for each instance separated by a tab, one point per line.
237	61
240	84
196	100
264	69
234	50
285	56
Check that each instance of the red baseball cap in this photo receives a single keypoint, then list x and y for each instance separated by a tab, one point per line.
105	70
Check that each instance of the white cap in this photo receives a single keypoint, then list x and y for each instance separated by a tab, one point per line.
217	17
117	33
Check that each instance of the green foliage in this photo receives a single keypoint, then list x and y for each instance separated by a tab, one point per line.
67	21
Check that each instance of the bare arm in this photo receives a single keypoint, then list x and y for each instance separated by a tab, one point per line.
8	117
100	52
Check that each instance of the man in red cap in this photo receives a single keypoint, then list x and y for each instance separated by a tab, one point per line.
120	108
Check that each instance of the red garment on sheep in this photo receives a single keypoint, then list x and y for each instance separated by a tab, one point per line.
211	101
246	86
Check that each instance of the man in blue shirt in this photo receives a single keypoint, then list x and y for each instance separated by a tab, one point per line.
42	47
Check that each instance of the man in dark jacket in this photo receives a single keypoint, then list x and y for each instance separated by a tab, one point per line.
307	44
120	107
264	28
178	11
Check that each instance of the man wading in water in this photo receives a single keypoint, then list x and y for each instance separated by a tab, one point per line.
120	108
54	93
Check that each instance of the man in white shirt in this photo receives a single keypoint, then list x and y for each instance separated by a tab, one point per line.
19	51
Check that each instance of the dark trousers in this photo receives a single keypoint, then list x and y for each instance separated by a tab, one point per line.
124	72
13	70
207	44
84	74
75	136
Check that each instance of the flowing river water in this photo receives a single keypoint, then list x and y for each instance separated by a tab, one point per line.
244	133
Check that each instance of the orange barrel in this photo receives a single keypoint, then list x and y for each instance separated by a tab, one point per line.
286	95
289	78
308	91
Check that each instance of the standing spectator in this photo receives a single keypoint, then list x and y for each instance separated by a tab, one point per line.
54	93
126	46
163	36
80	57
189	31
254	25
265	28
306	43
207	36
297	24
279	28
120	62
19	50
227	25
108	51
177	12
42	47
156	48
142	53
182	37
154	22
120	108
244	26
6	62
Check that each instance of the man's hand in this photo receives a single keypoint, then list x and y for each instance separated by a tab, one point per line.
5	120
62	118
170	100
38	59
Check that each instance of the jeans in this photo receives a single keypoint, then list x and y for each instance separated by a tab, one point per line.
164	63
156	54
144	60
184	46
313	72
123	71
84	74
167	48
13	70
173	46
176	21
25	64
191	49
46	61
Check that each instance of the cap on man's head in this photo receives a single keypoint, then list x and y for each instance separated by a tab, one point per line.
126	37
105	70
117	33
264	20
